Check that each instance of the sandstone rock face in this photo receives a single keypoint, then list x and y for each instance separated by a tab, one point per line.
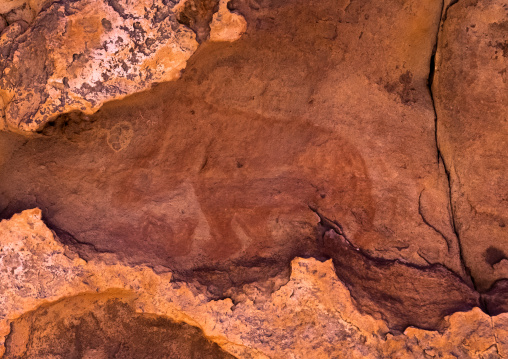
471	101
223	164
77	55
312	315
36	268
306	179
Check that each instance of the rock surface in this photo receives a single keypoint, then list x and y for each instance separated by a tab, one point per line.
216	171
366	137
471	94
79	310
77	55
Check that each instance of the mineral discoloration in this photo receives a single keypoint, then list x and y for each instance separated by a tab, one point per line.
85	53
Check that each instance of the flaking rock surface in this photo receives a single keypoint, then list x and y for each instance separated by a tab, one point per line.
62	56
97	309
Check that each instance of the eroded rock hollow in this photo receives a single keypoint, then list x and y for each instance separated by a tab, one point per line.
253	179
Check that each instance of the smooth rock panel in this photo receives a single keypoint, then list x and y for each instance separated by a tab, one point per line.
471	96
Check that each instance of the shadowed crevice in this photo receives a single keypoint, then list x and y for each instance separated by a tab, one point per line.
440	158
401	293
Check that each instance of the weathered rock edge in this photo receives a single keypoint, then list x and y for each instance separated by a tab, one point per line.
75	56
313	315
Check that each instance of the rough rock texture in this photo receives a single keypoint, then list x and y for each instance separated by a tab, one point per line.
37	268
225	25
471	94
78	54
312	315
366	136
216	171
103	326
